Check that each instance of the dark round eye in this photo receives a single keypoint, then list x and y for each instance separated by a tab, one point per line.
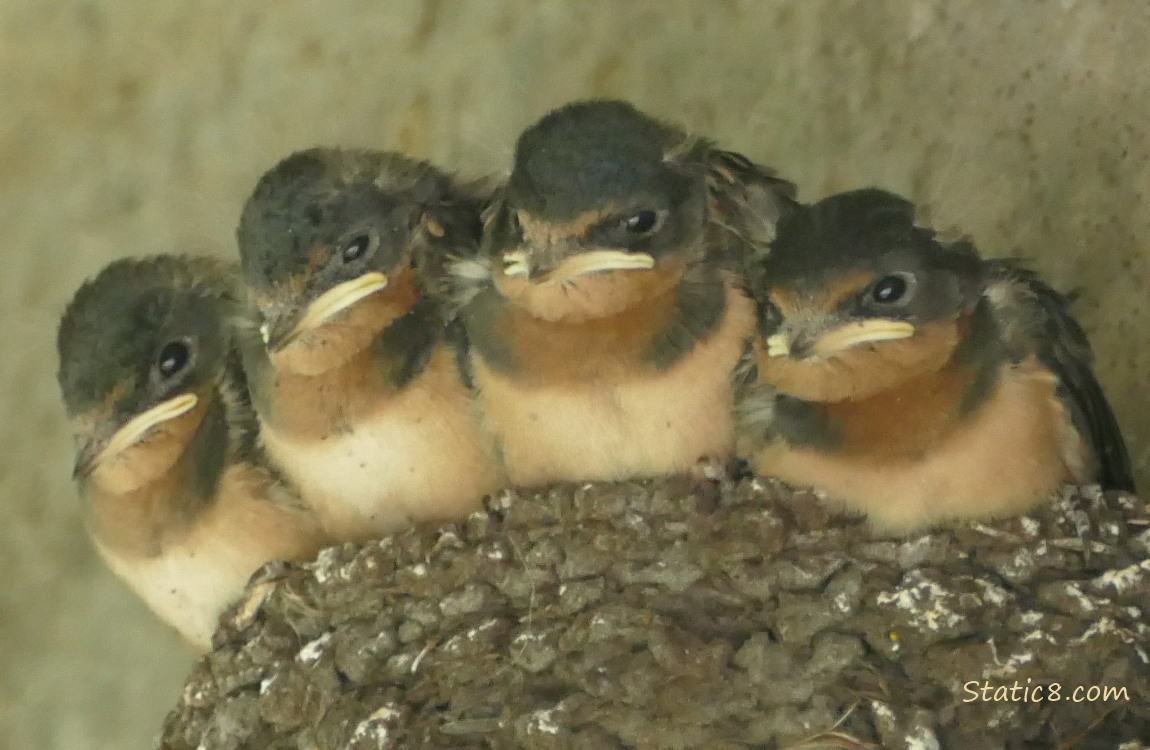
889	290
356	248
642	222
174	357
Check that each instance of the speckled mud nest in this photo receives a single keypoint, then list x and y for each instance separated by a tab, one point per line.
692	614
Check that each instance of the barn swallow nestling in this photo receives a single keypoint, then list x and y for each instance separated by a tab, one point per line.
358	390
912	380
176	497
604	311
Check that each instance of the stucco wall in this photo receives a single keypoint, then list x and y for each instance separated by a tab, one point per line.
140	127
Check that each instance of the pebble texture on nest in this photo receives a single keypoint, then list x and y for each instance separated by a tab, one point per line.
686	613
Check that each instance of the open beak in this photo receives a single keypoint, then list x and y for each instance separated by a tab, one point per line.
97	448
325	307
517	263
844	337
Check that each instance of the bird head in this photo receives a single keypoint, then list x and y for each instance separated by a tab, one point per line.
604	205
331	244
142	349
853	298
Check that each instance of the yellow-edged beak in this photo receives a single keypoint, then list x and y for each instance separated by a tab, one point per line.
844	337
132	432
517	264
328	305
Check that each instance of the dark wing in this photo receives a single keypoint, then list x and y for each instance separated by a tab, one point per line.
747	200
1062	346
467	269
451	231
460	345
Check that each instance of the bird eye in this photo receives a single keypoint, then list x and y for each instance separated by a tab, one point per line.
890	290
357	247
174	359
642	222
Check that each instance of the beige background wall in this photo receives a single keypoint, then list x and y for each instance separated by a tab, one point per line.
130	127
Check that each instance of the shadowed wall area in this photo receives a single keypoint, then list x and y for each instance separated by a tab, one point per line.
130	128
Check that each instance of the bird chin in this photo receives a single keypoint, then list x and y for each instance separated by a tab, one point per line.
350	331
337	300
816	381
857	372
140	425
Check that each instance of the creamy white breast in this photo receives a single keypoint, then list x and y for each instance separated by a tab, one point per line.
418	455
656	424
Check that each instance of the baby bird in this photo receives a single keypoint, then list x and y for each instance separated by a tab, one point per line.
914	381
605	312
177	500
358	388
